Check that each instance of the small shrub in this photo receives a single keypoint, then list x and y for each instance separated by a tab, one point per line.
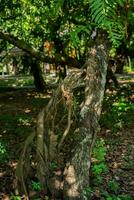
100	167
87	192
113	186
36	185
14	197
99	151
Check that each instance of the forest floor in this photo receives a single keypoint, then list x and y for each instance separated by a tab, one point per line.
112	175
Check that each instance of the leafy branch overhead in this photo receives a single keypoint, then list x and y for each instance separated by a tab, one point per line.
66	23
37	54
105	14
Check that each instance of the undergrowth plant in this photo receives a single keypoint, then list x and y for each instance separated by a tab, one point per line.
36	185
99	165
118	111
101	187
14	197
106	16
3	152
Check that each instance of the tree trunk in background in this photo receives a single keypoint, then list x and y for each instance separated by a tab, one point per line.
122	54
111	76
15	66
76	174
37	74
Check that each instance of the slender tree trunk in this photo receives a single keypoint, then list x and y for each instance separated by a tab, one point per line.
76	174
122	53
111	76
38	78
15	67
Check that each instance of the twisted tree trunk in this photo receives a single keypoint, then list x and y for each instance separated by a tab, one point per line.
67	128
76	174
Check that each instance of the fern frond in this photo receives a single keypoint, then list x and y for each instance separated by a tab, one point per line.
55	8
102	10
116	33
121	2
74	34
104	14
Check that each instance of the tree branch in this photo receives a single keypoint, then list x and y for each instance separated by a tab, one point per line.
21	44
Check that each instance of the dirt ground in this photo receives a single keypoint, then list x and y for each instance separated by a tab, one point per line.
18	111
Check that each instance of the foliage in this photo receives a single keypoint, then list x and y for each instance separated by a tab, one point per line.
14	197
99	153
108	15
3	151
113	186
48	21
119	197
16	82
100	150
100	167
68	25
88	192
36	185
108	189
117	107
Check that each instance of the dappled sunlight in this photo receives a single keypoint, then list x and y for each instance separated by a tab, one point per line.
5	197
70	178
51	141
24	122
117	107
13	164
115	165
70	175
4	131
2	174
17	119
58	184
27	110
15	81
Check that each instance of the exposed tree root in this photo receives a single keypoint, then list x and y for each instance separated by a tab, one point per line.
53	126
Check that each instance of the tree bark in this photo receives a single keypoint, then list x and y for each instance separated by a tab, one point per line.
111	76
76	174
38	78
71	109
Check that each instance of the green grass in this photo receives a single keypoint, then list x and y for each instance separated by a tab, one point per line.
16	81
21	81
